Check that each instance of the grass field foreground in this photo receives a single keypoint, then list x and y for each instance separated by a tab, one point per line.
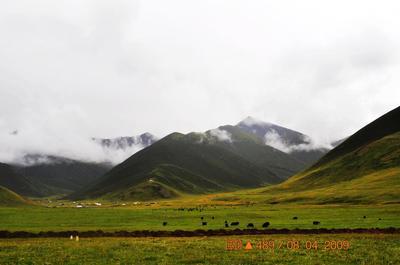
364	249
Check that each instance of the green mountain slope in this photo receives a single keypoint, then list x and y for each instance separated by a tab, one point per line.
56	176
18	183
379	155
381	127
9	198
296	142
60	175
251	147
223	159
364	168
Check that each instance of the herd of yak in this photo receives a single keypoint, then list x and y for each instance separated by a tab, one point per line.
249	225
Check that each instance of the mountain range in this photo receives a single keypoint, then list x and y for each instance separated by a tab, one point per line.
249	154
41	175
226	158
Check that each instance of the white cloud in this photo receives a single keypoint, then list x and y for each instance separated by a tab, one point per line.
54	137
250	121
72	70
221	135
272	138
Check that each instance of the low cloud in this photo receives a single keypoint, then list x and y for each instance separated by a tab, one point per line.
23	149
221	135
250	121
72	70
274	140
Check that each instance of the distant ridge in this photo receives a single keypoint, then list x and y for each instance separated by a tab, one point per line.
221	159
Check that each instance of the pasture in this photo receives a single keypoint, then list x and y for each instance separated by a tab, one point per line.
152	217
364	249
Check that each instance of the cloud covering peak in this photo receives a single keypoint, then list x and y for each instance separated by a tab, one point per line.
273	139
221	135
17	148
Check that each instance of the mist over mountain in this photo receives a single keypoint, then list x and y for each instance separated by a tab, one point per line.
44	176
127	142
279	137
42	172
27	148
297	144
225	158
363	168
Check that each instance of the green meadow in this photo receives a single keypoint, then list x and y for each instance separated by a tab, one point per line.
37	219
364	249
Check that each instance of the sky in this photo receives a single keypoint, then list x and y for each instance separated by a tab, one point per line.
75	69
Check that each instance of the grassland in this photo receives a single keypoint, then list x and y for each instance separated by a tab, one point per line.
364	249
380	187
246	206
150	217
10	198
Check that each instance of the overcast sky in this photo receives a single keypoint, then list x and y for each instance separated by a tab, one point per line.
74	69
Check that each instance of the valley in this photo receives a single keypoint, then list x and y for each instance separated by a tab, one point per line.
225	183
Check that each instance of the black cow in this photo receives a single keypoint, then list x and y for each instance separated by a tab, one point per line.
203	223
212	217
265	225
234	223
226	225
295	218
164	223
202	218
316	222
364	217
250	225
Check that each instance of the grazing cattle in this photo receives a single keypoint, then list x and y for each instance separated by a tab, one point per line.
380	219
234	223
316	222
250	225
212	217
164	223
364	217
226	225
202	218
203	223
295	218
265	225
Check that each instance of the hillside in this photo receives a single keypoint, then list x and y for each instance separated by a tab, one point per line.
59	175
222	159
251	147
9	198
18	183
364	168
381	127
382	154
52	176
294	143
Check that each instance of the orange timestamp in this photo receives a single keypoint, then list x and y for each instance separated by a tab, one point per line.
291	244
